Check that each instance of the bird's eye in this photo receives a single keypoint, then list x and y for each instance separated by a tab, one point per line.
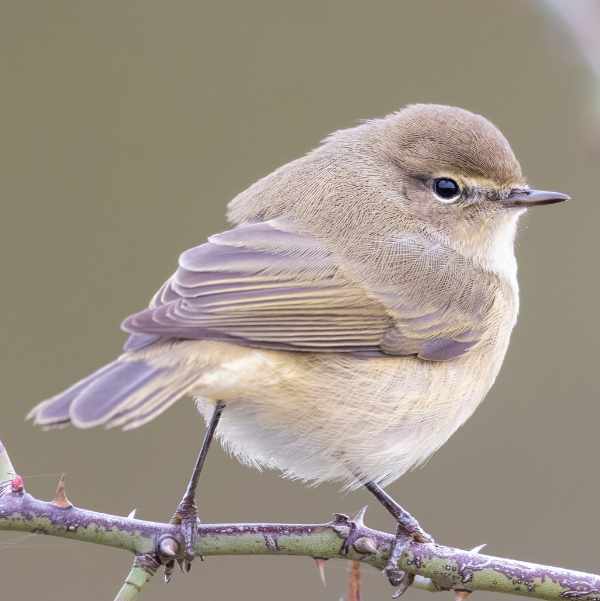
446	189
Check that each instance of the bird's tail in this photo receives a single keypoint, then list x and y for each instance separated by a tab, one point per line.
127	392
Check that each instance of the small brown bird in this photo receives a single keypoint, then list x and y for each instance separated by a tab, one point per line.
352	319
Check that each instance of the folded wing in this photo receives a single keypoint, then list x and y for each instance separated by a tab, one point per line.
262	285
267	285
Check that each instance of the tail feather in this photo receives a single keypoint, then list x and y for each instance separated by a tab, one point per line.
128	393
55	410
103	398
152	406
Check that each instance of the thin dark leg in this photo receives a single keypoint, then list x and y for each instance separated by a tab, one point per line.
408	530
187	512
405	520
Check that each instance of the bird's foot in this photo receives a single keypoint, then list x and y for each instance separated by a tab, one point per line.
397	577
355	537
186	517
409	531
167	553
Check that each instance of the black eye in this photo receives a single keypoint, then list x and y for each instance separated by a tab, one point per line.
446	189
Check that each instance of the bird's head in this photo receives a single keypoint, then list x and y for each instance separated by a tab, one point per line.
438	170
457	166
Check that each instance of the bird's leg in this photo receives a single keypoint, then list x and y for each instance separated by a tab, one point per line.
187	512
408	530
405	520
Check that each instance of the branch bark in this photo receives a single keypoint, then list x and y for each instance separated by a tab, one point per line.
154	544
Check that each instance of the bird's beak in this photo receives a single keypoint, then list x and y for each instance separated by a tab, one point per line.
526	197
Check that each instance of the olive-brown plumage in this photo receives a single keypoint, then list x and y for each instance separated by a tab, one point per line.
353	318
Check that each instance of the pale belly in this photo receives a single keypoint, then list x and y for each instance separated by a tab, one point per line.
330	417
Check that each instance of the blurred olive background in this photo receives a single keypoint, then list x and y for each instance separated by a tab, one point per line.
125	129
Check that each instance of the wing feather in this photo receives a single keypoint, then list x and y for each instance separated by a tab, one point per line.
269	285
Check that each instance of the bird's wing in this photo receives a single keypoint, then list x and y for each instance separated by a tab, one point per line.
267	285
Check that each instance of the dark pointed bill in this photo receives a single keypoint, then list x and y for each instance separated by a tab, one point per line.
526	197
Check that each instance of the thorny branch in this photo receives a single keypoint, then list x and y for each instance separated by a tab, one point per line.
155	544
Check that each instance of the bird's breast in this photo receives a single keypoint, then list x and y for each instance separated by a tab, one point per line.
324	417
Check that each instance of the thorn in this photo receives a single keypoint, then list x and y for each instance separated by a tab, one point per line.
17	484
131	514
320	563
359	517
478	548
60	498
461	595
365	545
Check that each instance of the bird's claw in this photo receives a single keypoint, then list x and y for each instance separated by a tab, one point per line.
399	579
396	577
169	567
352	528
189	531
186	517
